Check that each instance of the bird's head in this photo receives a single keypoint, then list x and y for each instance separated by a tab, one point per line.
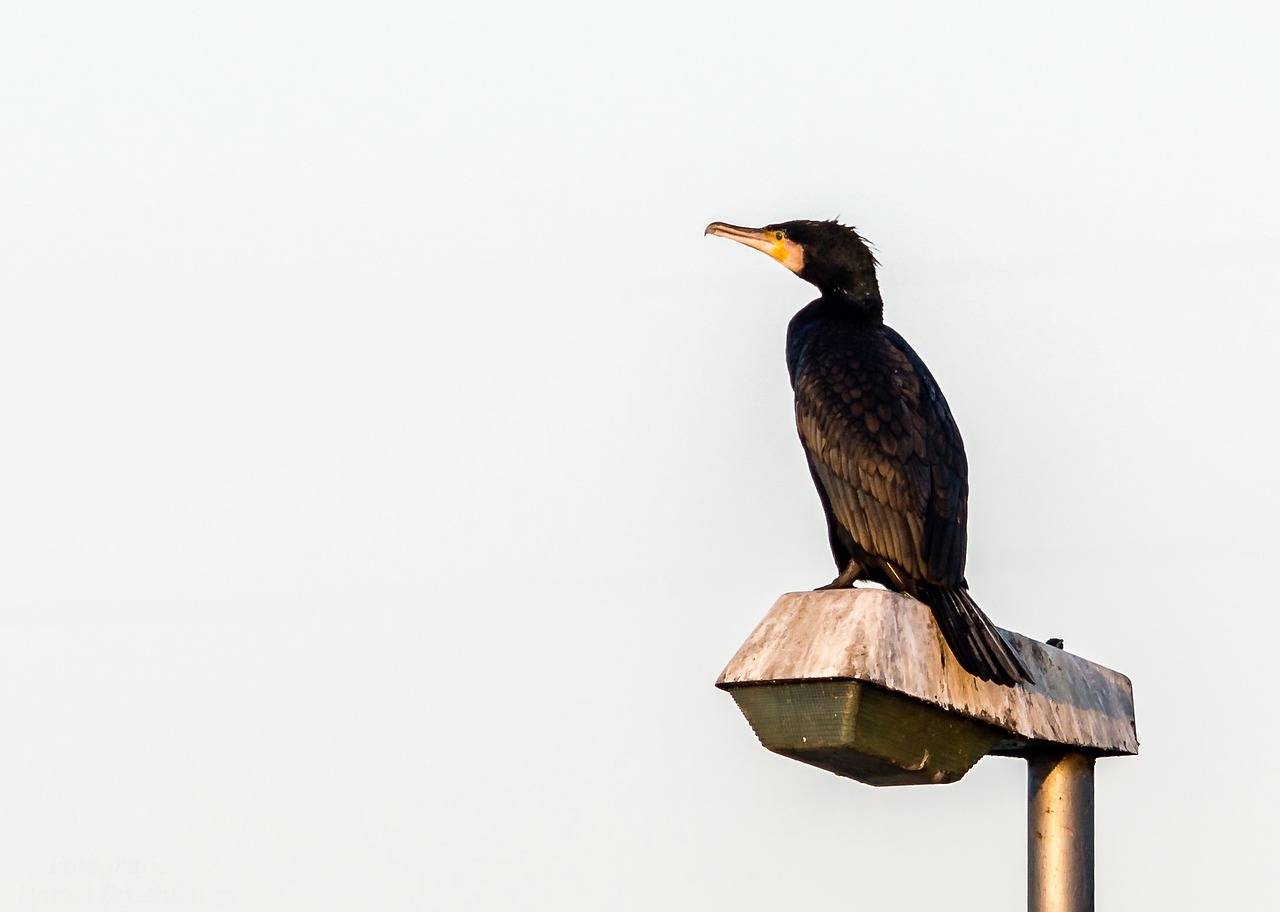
832	256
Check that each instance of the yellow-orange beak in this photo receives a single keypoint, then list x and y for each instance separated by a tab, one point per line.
773	242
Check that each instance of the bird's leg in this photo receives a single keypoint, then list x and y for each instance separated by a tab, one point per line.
851	572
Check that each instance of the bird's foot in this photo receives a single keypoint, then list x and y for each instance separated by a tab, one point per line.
845	580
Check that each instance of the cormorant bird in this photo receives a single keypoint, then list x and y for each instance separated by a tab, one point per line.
883	449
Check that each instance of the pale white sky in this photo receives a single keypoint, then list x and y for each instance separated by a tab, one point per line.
391	465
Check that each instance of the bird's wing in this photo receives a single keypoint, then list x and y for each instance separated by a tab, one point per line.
887	454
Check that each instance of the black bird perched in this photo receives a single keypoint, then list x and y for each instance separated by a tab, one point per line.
883	449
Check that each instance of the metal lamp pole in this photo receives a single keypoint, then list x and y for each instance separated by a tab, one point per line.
1060	832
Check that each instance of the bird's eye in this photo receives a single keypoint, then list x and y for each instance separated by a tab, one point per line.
777	235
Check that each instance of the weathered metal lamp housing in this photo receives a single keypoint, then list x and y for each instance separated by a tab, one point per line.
859	682
864	732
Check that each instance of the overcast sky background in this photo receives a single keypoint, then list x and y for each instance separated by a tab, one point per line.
390	464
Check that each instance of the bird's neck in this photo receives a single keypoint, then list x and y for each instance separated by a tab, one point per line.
851	288
860	305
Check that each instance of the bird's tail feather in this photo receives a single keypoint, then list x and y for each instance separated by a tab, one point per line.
976	643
